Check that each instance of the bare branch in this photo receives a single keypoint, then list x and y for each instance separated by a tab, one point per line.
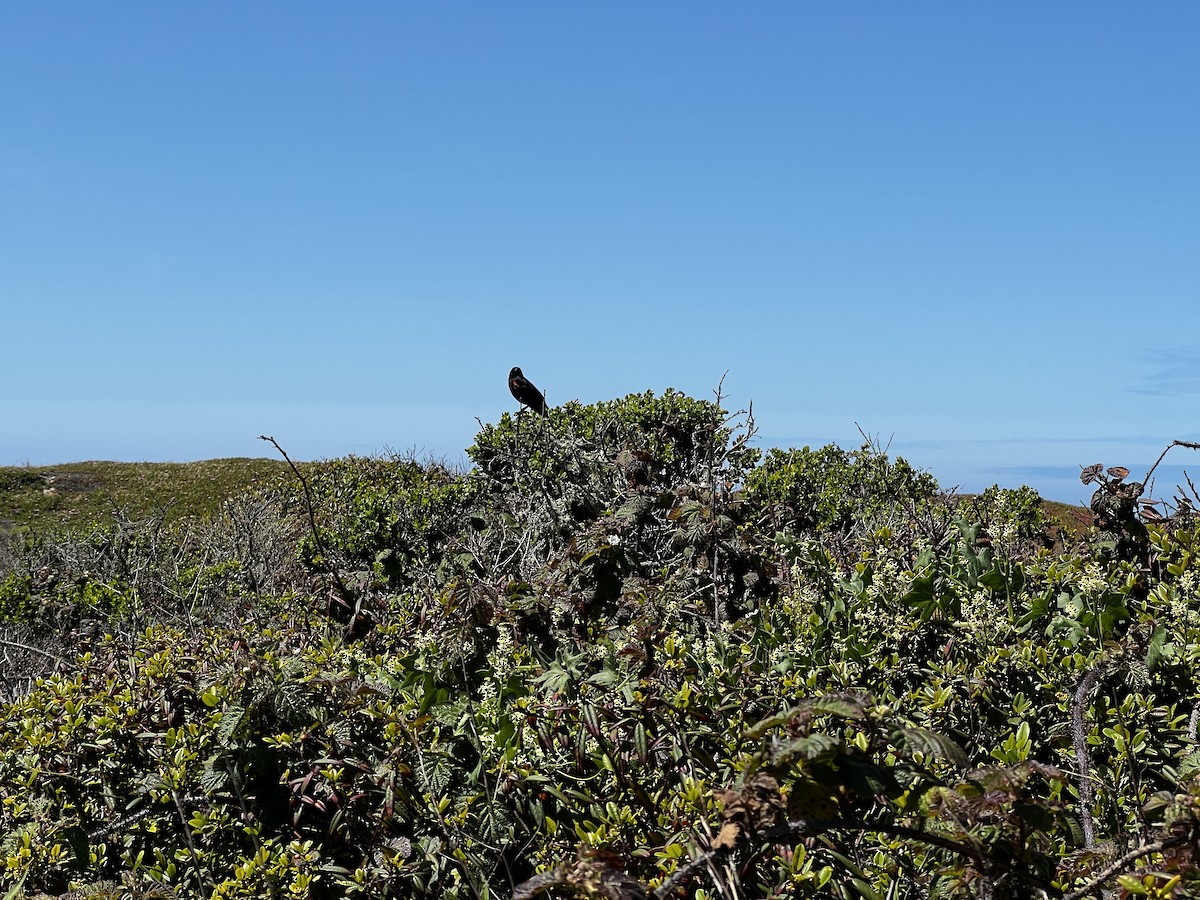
312	518
1083	759
1191	445
18	645
1121	863
801	827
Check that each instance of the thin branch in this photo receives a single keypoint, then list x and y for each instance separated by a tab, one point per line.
873	442
312	518
1118	864
1191	485
185	826
1191	445
1083	760
308	500
17	644
712	498
800	827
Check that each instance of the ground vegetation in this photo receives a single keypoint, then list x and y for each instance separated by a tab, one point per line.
626	654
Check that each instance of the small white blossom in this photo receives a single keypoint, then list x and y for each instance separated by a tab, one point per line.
1091	582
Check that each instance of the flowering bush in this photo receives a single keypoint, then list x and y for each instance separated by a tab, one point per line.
618	658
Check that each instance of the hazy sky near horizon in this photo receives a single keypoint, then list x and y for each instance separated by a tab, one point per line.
972	231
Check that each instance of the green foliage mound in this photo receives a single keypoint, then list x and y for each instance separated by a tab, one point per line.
830	489
624	657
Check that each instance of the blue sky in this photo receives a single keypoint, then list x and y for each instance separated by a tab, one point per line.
970	230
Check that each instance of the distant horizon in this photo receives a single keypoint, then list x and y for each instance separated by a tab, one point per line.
970	230
1059	484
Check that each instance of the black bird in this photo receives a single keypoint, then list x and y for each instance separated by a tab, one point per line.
527	395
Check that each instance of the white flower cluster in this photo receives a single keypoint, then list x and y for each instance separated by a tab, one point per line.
890	579
1186	584
425	639
500	659
1181	599
1005	529
707	650
488	693
804	600
1092	582
1004	537
501	656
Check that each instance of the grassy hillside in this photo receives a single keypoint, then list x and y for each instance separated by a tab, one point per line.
79	495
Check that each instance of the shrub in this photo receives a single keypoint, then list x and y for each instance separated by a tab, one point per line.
617	658
833	490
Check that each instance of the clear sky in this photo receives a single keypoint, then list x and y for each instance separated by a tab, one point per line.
971	230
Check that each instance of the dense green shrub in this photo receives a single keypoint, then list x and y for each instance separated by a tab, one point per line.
673	439
392	516
604	508
831	489
618	658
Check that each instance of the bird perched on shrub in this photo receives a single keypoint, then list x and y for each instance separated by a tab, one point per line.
527	395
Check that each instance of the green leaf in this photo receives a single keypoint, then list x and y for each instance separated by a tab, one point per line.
1157	647
641	743
835	705
17	891
591	719
1038	608
1035	815
930	743
761	727
606	677
810	747
830	704
865	890
1189	765
449	714
76	838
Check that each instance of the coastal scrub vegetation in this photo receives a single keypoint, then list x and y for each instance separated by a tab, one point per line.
624	655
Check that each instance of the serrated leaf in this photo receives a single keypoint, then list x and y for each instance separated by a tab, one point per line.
214	776
1155	649
930	743
449	714
833	705
1189	765
635	509
606	677
810	747
230	723
436	778
761	727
